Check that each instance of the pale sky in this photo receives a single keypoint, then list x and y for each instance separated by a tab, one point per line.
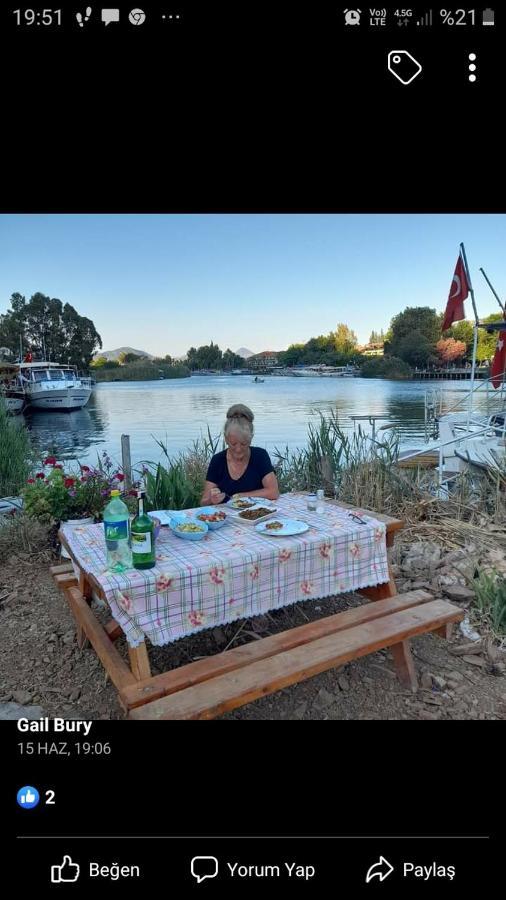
163	283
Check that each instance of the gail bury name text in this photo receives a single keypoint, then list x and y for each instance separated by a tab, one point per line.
47	724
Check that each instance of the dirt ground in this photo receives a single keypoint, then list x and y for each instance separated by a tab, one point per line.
40	663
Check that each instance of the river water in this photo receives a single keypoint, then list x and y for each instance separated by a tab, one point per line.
178	411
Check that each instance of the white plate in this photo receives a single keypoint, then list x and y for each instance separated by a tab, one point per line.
256	501
290	526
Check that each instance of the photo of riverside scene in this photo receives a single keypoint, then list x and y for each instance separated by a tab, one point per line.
253	467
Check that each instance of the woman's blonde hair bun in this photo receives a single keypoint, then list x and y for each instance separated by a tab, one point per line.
240	411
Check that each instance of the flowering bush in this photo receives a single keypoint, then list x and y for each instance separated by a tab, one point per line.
56	495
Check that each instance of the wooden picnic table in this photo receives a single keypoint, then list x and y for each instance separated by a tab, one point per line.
208	687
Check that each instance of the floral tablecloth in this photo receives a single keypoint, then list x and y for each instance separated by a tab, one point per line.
235	572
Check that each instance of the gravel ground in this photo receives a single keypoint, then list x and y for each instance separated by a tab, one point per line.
40	664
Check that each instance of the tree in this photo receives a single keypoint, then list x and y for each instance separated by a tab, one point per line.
385	367
418	322
487	342
449	349
232	360
49	328
208	356
345	340
415	349
462	331
125	358
99	362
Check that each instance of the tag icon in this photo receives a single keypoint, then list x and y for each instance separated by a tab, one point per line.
403	66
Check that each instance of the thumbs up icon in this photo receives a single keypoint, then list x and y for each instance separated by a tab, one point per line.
68	871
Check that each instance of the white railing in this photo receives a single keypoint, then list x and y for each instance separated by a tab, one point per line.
434	399
440	447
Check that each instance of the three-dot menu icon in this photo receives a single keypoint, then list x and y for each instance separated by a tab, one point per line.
472	67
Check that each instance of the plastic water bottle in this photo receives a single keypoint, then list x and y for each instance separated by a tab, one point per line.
320	501
117	534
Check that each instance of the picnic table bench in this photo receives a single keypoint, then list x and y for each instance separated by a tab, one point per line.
209	687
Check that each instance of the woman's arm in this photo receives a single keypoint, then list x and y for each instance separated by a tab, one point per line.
212	494
269	489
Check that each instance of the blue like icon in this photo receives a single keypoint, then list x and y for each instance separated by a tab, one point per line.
28	797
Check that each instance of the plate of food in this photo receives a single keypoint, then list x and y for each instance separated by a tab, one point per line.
279	527
188	528
256	514
243	502
213	516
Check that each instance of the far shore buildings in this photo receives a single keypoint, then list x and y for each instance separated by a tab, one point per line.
264	360
371	349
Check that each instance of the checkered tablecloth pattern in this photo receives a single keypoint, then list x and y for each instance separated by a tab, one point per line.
234	572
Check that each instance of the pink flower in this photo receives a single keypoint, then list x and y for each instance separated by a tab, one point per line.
31	481
284	555
378	535
119	476
125	602
50	461
217	574
196	618
40	475
57	466
306	587
85	468
355	550
163	582
69	482
325	550
254	571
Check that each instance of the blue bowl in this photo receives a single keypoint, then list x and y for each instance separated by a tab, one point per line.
208	511
188	535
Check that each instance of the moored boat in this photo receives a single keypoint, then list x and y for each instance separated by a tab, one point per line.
10	388
50	385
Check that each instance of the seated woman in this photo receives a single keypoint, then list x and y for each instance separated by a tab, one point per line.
241	470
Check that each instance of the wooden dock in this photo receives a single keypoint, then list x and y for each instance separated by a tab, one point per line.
457	374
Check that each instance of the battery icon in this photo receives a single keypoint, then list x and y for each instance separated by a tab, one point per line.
488	16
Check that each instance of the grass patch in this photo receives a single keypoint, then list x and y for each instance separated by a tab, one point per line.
19	533
490	590
15	454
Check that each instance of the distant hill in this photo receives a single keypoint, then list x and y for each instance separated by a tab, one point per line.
244	352
113	354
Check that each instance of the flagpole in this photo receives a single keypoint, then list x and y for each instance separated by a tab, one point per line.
464	257
503	308
475	339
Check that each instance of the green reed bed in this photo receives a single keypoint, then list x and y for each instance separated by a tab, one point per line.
15	453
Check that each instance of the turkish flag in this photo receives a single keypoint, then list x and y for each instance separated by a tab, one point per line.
459	290
499	360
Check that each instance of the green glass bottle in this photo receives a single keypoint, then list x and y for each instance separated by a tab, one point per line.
142	532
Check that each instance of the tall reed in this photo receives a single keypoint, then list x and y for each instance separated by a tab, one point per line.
15	453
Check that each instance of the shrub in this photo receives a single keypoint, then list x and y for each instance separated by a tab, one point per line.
386	367
15	453
54	495
490	590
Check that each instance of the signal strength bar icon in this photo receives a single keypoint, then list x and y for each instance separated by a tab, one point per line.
427	19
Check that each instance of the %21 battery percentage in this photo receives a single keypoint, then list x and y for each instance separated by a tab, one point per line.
457	16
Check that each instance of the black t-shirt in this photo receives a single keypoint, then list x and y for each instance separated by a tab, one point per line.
259	466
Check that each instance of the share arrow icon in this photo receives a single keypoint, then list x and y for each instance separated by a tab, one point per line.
381	870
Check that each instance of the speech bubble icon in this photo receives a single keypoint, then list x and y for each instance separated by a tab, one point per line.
203	867
110	15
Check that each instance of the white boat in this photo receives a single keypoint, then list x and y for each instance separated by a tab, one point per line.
50	385
323	371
